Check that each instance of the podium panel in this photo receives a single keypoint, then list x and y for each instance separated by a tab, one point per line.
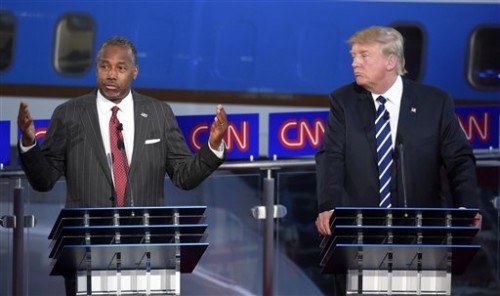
139	250
400	250
129	282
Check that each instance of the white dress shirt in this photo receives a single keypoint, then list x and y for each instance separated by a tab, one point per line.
125	117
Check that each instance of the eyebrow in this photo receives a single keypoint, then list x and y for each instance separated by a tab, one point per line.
359	51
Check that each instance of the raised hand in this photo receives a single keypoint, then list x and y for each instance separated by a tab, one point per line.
26	125
218	127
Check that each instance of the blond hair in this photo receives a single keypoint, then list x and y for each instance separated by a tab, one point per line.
390	39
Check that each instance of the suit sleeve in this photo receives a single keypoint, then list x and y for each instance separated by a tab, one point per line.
45	164
186	170
459	160
330	159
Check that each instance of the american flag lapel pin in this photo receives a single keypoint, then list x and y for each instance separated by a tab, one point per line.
144	115
413	110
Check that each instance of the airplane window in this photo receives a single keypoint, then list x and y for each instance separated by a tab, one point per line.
7	34
414	49
484	58
74	43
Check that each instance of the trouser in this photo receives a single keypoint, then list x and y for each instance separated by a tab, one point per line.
70	284
339	284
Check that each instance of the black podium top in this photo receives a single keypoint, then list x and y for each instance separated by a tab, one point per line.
127	216
433	235
134	237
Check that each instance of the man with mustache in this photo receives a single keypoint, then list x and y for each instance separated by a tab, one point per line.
114	124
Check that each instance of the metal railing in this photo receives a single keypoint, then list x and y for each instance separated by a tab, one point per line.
268	212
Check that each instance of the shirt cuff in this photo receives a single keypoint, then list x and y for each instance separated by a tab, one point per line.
23	148
219	152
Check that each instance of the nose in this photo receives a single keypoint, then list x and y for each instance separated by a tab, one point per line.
111	74
355	62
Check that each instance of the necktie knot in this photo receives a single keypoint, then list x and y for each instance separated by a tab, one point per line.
382	100
114	110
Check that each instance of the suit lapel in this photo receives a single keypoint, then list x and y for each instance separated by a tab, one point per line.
406	126
407	112
92	130
366	111
141	113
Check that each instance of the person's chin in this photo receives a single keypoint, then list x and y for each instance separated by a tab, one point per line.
112	96
360	81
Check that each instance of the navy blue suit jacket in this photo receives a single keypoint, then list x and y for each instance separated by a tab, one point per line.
432	138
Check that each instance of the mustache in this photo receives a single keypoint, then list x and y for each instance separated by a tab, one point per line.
109	82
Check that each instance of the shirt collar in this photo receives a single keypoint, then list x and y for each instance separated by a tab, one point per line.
104	105
394	93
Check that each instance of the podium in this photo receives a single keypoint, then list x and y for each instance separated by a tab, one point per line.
399	251
129	250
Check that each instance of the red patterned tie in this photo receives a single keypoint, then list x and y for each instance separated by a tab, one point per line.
118	157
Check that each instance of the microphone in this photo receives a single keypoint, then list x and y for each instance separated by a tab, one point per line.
387	115
112	198
403	175
121	146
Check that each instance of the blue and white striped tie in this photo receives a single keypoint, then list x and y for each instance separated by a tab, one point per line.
384	153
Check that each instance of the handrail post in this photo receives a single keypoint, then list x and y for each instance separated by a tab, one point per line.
268	235
18	222
18	242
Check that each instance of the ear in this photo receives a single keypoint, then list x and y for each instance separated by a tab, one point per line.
136	71
392	62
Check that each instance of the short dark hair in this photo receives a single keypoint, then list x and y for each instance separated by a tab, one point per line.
120	41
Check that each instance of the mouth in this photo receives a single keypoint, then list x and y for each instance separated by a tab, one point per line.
110	87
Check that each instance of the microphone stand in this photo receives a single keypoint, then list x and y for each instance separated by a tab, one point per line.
121	146
403	177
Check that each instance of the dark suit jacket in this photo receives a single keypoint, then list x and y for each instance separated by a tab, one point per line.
432	139
73	147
